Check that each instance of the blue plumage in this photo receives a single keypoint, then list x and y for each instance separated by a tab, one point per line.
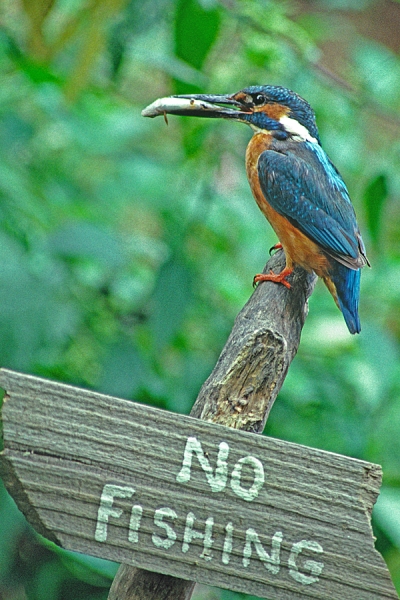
302	185
296	186
347	283
299	108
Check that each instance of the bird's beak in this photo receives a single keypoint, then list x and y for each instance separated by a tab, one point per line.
198	105
215	109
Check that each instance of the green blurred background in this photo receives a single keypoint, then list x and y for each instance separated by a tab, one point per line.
128	247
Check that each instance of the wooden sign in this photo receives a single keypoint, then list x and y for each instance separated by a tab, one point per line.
176	495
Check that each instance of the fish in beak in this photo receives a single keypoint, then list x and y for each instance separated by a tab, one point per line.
198	105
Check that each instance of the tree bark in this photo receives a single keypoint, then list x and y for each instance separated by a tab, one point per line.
239	393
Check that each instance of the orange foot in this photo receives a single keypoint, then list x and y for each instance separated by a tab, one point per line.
277	278
277	246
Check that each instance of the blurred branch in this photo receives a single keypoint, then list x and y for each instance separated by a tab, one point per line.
92	44
92	19
305	48
71	27
356	96
239	393
37	11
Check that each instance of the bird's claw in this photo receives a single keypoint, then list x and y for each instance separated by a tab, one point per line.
276	278
277	246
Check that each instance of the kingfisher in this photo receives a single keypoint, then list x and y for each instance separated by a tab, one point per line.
295	184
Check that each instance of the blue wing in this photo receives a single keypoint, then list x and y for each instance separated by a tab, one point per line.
301	184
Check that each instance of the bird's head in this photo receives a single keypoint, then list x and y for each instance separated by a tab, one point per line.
280	108
273	109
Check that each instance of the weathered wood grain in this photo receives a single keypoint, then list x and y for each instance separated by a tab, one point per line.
64	444
253	365
244	384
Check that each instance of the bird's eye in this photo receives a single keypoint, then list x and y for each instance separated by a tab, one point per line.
259	99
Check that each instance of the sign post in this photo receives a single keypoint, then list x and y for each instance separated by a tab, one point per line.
198	501
178	499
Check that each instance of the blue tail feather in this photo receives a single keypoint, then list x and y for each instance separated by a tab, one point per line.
347	283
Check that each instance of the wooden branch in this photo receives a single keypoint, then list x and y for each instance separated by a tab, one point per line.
240	391
138	584
253	365
194	500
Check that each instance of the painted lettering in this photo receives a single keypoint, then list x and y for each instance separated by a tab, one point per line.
134	523
191	534
315	568
159	516
197	535
272	563
227	550
259	478
217	481
106	508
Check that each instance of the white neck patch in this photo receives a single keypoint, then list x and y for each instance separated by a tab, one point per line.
297	130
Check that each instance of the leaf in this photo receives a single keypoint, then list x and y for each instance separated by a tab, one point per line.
387	513
170	300
196	29
84	239
92	570
375	196
13	525
36	315
123	370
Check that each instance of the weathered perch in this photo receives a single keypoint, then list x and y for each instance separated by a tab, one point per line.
239	393
192	500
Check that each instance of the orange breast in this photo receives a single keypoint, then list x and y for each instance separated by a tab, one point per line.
299	249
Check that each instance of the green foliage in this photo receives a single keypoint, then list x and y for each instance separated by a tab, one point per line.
375	195
128	247
196	29
94	571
